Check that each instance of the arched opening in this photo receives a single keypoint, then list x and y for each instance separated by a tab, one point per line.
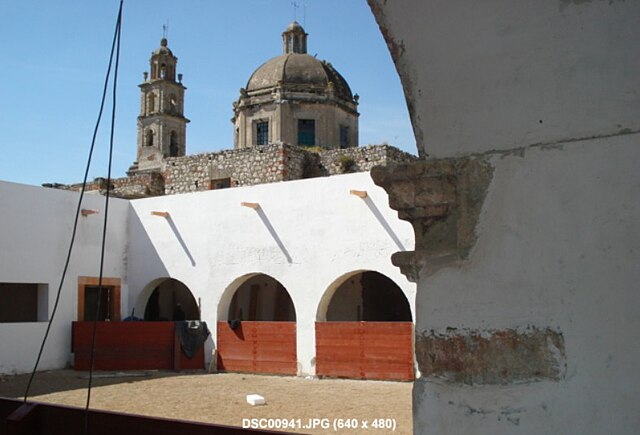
173	144
368	297
164	341
173	104
257	331
169	300
261	298
149	138
151	103
364	329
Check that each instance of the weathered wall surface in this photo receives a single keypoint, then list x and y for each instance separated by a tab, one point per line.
140	185
503	74
270	164
531	327
361	159
36	228
307	234
557	251
245	166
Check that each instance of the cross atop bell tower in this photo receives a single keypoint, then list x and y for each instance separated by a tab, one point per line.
161	123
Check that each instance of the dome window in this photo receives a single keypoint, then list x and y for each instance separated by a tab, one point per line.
344	136
306	132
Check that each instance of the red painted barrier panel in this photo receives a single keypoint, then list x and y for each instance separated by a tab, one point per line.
365	350
35	418
131	346
258	347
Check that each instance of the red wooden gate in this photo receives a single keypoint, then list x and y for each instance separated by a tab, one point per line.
365	350
258	347
131	346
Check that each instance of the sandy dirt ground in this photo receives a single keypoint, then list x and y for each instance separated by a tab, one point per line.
221	398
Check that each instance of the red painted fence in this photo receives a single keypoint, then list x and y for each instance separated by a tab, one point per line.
365	350
258	347
131	346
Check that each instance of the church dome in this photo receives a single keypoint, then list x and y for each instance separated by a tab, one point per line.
299	70
296	99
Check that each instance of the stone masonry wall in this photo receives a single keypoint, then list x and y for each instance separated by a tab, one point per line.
246	167
270	164
135	186
361	159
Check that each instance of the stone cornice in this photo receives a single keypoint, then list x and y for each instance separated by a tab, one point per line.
442	199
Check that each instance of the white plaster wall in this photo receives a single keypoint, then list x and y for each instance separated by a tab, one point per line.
559	233
36	228
325	233
558	245
500	74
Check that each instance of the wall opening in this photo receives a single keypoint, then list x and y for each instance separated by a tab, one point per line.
173	144
365	329
24	302
88	294
257	327
149	138
306	132
368	297
261	298
170	300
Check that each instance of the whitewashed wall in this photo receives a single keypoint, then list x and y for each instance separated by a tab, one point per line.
557	83
36	228
210	241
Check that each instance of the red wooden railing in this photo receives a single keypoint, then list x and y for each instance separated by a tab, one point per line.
365	350
258	347
131	346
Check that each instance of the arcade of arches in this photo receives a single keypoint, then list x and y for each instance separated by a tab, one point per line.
368	332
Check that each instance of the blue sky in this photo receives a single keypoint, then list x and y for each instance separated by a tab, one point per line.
55	53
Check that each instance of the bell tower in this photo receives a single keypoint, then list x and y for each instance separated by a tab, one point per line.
161	123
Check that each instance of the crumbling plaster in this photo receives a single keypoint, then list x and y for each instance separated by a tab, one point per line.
480	76
546	95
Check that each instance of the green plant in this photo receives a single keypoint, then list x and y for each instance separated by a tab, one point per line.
346	163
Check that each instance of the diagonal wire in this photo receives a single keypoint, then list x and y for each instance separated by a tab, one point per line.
78	208
106	216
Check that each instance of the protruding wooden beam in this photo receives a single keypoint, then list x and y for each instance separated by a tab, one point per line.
253	205
164	214
359	193
87	212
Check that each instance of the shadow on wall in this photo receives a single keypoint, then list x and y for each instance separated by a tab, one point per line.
378	215
142	256
267	223
175	230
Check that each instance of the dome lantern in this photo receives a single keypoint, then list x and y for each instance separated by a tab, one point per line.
294	39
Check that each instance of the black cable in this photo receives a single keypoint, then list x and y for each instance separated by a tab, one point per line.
106	216
77	216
